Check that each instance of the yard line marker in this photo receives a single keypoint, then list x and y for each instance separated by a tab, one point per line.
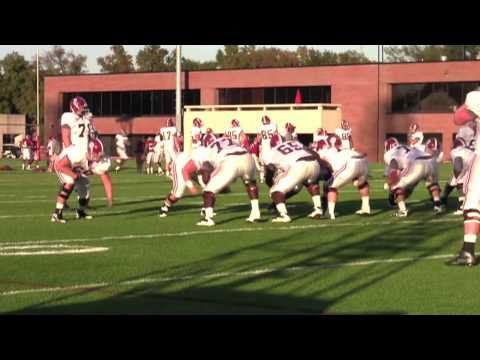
54	249
247	273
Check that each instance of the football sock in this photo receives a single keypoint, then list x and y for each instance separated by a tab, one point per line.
331	208
282	209
317	204
402	206
255	206
208	213
366	203
469	243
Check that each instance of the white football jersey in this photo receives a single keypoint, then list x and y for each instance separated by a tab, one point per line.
197	136
168	136
221	148
317	138
234	133
418	136
398	153
158	144
76	155
344	135
121	141
80	128
338	159
266	132
284	155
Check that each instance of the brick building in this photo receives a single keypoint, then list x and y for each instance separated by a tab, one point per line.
377	99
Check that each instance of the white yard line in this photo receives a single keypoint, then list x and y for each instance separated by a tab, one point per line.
260	228
254	272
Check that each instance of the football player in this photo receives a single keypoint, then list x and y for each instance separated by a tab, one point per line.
121	142
187	169
230	161
406	167
150	152
234	132
415	137
290	134
170	145
321	134
26	146
296	166
209	137
349	166
197	133
345	134
264	136
462	157
470	112
158	153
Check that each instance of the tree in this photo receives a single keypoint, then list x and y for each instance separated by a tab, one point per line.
117	62
152	58
59	62
418	53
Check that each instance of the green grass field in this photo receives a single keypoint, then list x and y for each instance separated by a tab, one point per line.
138	263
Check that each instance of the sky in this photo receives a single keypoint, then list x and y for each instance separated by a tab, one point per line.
194	52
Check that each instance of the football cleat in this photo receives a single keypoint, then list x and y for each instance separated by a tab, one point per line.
163	213
464	258
81	214
316	214
458	212
206	222
56	218
253	217
438	210
281	219
202	213
400	213
362	212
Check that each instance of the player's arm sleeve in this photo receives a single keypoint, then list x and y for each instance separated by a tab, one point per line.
269	174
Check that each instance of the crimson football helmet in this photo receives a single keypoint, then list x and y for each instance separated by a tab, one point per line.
321	145
170	123
321	132
390	143
197	122
345	125
265	120
209	131
78	105
290	127
413	127
235	123
334	141
95	150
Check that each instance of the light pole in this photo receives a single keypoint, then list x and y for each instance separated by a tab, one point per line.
178	117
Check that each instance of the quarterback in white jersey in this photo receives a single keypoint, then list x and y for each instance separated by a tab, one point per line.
296	166
349	166
470	112
169	135
345	135
230	161
406	167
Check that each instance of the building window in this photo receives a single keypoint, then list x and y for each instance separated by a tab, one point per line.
274	95
430	97
9	139
134	103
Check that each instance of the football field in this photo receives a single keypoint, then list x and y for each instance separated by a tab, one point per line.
127	260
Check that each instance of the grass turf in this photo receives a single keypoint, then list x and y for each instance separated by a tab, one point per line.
353	265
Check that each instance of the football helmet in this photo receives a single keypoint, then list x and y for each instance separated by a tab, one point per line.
209	131
334	141
390	143
235	123
321	132
197	122
413	128
345	125
95	150
78	105
289	127
207	139
431	146
321	145
459	142
265	120
170	123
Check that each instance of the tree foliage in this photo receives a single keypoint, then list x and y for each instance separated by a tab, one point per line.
418	53
152	58
119	61
57	61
